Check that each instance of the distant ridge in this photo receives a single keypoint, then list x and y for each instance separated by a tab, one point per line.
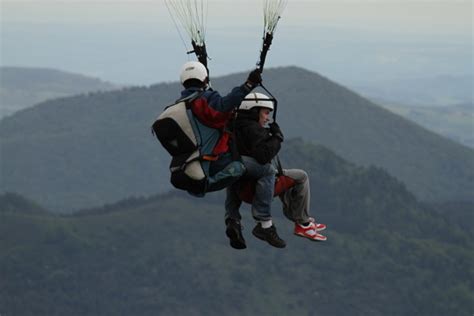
15	203
454	121
97	148
441	90
22	87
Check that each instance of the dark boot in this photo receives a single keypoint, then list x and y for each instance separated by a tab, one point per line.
269	235
234	232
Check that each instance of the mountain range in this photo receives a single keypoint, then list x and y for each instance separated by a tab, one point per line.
167	254
442	90
454	121
23	87
96	148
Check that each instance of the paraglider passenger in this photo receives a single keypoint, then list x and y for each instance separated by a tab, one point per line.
258	146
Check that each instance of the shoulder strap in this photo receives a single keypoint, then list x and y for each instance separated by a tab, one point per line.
234	149
188	99
193	96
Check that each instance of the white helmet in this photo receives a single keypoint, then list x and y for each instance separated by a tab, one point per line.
256	99
193	70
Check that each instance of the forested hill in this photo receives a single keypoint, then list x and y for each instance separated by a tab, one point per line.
168	255
22	87
12	202
91	149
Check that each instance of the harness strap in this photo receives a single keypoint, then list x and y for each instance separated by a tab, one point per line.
277	158
208	157
233	148
279	167
190	97
198	158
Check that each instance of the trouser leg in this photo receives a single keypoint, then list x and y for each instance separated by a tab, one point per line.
296	201
264	188
261	204
233	202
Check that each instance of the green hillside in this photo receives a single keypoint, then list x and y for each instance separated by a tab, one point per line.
22	87
12	202
167	255
92	149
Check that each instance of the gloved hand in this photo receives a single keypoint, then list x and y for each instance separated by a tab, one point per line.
276	131
255	78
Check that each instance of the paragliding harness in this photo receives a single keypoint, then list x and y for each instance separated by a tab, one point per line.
187	138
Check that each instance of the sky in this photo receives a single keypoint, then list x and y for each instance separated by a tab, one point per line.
136	42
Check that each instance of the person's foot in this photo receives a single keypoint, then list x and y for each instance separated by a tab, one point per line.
234	232
269	235
310	231
319	226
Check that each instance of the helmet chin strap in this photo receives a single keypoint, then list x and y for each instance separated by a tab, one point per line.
207	85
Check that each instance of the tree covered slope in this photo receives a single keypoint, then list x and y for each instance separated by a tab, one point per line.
386	254
92	149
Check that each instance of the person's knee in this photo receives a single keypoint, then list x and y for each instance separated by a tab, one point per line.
304	176
269	170
298	172
299	175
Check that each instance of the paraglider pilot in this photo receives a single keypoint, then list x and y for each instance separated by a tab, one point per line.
213	113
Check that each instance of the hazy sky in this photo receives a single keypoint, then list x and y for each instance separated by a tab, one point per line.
347	40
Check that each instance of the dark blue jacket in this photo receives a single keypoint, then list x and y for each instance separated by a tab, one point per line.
213	112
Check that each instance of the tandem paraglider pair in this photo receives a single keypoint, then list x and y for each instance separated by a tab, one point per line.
217	145
225	142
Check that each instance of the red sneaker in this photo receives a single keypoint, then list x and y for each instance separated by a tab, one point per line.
309	232
319	226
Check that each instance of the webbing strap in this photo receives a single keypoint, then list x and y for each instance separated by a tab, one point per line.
277	159
278	165
198	158
233	148
275	101
209	157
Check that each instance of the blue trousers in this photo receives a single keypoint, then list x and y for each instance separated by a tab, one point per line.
265	184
